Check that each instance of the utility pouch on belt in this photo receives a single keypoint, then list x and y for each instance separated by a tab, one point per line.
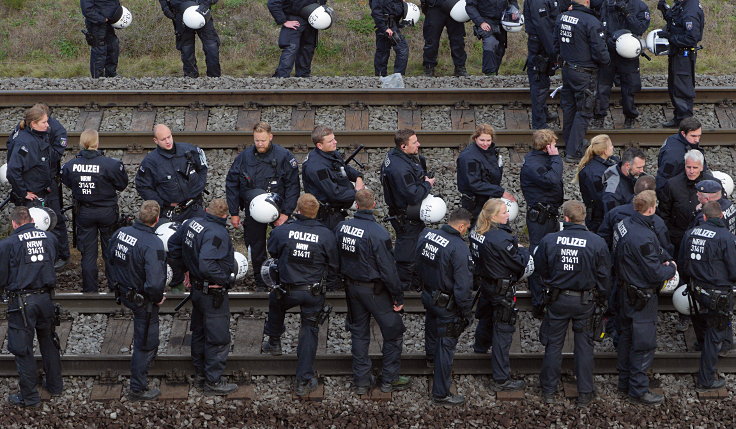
552	295
133	296
440	299
89	37
637	297
323	314
218	297
317	289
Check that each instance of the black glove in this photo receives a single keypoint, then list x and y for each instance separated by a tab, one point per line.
621	8
662	6
538	311
168	13
664	34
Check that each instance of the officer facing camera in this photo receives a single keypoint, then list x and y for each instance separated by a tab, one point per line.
389	17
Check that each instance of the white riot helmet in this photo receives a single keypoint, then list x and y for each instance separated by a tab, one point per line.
657	45
4	173
270	273
169	274
165	231
41	218
681	300
670	285
319	17
627	45
509	23
725	179
411	13
432	209
122	18
264	208
529	269
512	207
242	264
194	18
456	9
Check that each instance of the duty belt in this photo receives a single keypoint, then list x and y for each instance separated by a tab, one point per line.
296	287
361	283
571	292
576	67
23	292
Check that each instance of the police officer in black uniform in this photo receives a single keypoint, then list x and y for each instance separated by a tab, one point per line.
265	167
541	61
712	190
541	184
99	15
207	34
203	247
619	179
374	290
138	273
617	16
27	278
388	16
307	253
641	266
574	265
436	18
444	265
486	15
597	159
685	23
297	39
479	171
579	41
708	265
94	180
406	183
174	175
326	176
498	264
671	158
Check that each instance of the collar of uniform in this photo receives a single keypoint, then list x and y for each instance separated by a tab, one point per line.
607	162
581	8
538	153
332	156
450	230
265	154
716	222
490	151
25	227
168	153
686	143
89	154
364	214
647	221
212	218
505	227
306	220
409	158
143	227
573	226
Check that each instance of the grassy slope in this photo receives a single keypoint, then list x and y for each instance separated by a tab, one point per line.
42	38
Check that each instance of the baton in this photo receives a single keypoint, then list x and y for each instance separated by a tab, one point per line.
352	156
5	202
182	302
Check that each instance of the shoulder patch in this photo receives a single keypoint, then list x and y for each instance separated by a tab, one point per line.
23	150
323	174
647	16
293	163
202	157
646	249
473	166
62	142
387	161
217	241
689	25
408	179
142	169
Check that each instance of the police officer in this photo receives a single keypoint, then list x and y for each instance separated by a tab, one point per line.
685	23
306	252
104	44
541	63
388	16
265	167
498	265
712	190
479	171
27	277
619	179
406	183
174	175
641	267
94	180
708	265
436	18
326	176
486	15
579	41
207	34
597	159
574	265
138	273
671	158
203	247
444	266
297	39
35	150
541	184
617	16
374	290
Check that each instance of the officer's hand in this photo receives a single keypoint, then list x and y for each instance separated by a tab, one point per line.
235	220
552	150
398	308
664	34
215	287
390	32
508	196
31	196
431	181
292	24
485	27
187	282
168	13
359	184
281	220
162	301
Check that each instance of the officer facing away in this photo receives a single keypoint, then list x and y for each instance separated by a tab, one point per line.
94	180
104	44
641	267
27	278
541	60
203	247
264	167
207	34
574	265
708	265
435	20
174	175
388	17
373	290
138	273
444	265
306	251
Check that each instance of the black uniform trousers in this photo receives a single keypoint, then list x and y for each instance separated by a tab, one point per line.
145	347
330	219
537	231
104	49
578	100
627	70
637	343
681	82
492	331
210	328
538	83
494	48
711	336
566	309
210	45
39	318
92	221
407	235
435	20
438	346
310	306
254	234
383	52
363	304
297	47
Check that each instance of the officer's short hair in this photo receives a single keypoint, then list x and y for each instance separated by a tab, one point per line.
33	114
689	124
712	210
483	129
262	127
542	138
365	199
307	205
89	139
43	106
645	200
149	211
645	183
402	136
218	207
574	210
695	155
320	132
20	215
459	215
631	153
